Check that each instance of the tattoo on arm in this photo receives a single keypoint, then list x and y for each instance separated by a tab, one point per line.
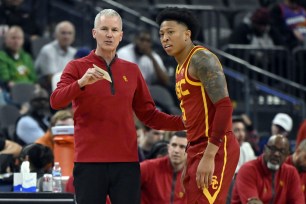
208	70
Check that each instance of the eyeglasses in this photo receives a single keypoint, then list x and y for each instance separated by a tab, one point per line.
275	149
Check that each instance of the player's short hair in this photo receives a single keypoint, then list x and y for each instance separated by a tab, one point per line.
181	15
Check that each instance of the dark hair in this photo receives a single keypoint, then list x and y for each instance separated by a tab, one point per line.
261	17
39	155
182	134
181	15
237	119
147	128
160	148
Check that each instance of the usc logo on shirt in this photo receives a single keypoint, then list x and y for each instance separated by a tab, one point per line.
179	90
214	182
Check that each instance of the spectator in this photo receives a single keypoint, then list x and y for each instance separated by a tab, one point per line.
41	160
281	124
149	62
246	151
267	179
160	178
40	157
254	30
301	133
16	64
159	149
54	56
12	13
35	122
60	118
298	160
288	23
251	134
151	136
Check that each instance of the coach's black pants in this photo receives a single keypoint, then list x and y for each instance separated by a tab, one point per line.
94	181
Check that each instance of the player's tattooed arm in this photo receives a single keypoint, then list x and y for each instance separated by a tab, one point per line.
206	67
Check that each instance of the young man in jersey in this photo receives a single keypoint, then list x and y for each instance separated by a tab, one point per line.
106	156
213	150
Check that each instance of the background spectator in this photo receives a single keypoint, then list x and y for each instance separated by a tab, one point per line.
246	151
288	23
151	136
60	118
253	177
253	30
35	122
16	64
160	178
54	56
149	62
281	124
13	13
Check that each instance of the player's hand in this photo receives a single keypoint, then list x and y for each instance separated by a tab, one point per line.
205	171
91	76
206	166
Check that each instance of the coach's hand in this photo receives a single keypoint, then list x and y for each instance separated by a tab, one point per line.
91	76
206	166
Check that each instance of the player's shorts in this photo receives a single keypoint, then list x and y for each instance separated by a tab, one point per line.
226	161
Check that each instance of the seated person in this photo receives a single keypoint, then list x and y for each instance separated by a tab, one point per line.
35	122
150	137
253	30
159	149
267	179
54	56
60	118
40	157
16	64
150	63
41	160
288	23
160	177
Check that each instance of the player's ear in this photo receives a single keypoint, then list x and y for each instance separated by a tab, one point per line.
187	34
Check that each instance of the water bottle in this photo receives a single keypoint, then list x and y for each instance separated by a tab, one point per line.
57	177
